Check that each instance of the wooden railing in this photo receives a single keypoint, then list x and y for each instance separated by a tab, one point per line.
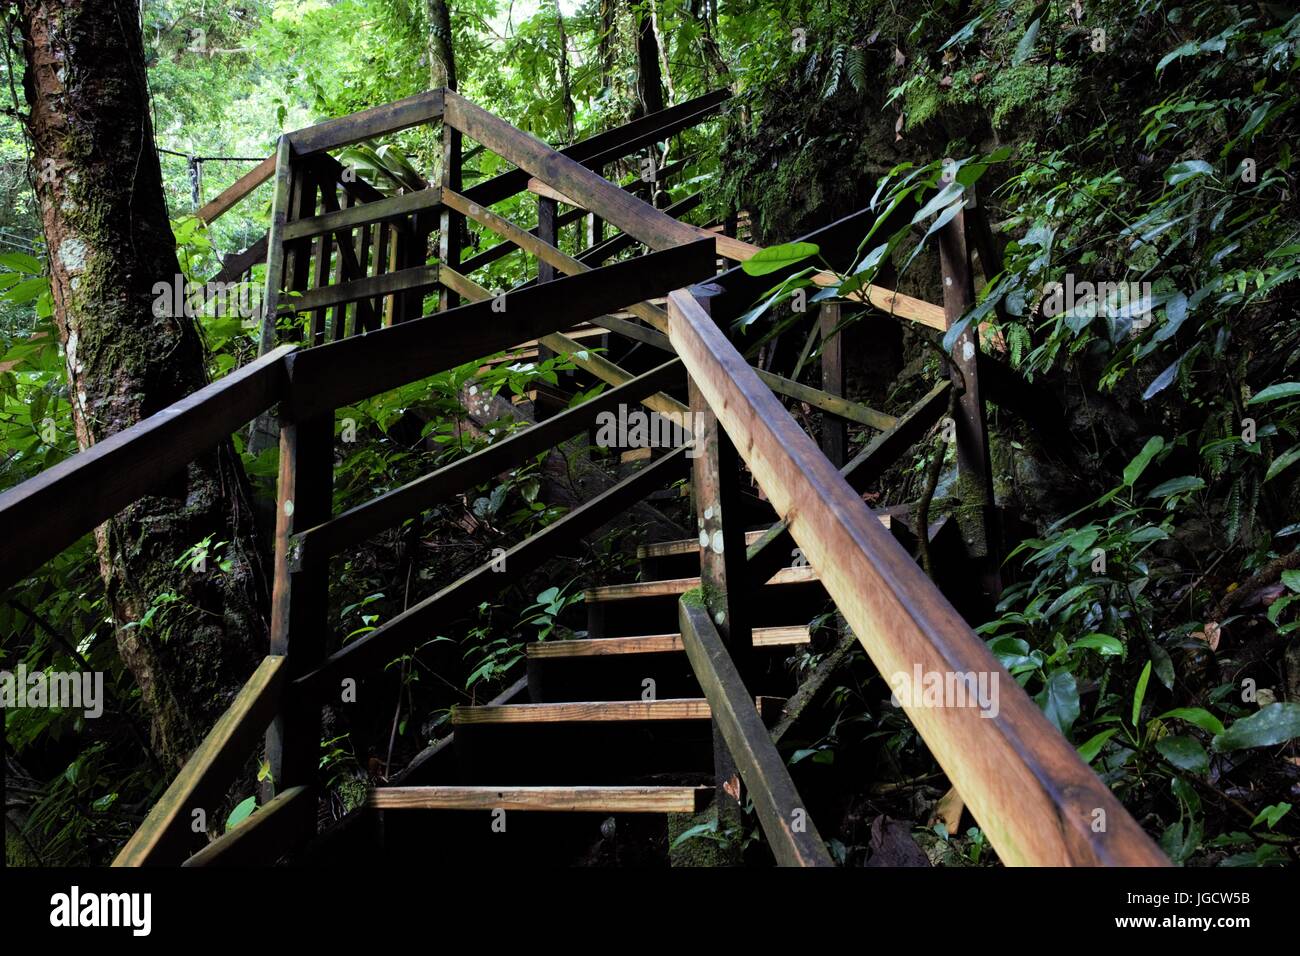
1025	785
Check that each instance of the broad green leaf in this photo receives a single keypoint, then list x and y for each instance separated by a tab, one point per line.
1163	380
1188	169
1133	470
1185	753
1274	392
1103	644
1282	462
1271	725
1271	815
241	812
1089	749
1059	700
1176	486
1291	579
1026	45
1197	717
778	257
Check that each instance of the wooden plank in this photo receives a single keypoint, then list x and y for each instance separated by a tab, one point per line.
381	210
390	283
517	689
835	436
318	544
1023	781
51	510
683	546
775	548
285	823
542	245
839	407
539	188
165	837
790	831
673	586
300	597
601	711
413	625
553	799
657	230
341	372
366	124
653	644
281	200
231	196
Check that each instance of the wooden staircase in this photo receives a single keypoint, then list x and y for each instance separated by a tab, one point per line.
666	703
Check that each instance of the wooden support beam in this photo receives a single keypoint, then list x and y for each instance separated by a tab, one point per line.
451	224
381	210
790	831
281	200
1013	767
88	488
416	278
835	436
341	372
539	188
300	598
316	545
288	821
675	586
652	644
224	201
412	626
165	838
582	356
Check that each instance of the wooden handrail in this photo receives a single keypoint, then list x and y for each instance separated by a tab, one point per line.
283	824
783	814
50	511
232	195
366	124
332	375
1026	786
365	520
165	837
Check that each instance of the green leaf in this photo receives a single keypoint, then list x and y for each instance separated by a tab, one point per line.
1026	45
1089	749
22	262
1292	580
1176	486
1164	379
778	257
1185	753
1133	470
1274	392
241	812
1271	815
1140	692
1188	169
1103	644
1282	462
1274	724
1059	700
1197	717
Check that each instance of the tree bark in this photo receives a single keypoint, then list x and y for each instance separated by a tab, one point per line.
104	214
566	88
442	58
649	79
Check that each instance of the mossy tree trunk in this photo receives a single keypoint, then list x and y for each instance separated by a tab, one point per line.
105	219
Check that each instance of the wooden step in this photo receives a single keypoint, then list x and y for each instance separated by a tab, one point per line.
690	708
676	586
554	799
670	549
653	643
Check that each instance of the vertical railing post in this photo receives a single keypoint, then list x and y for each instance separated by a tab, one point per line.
450	223
547	232
715	485
975	514
300	598
835	434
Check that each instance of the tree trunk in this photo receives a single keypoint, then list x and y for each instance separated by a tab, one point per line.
105	219
566	88
442	59
607	42
649	81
